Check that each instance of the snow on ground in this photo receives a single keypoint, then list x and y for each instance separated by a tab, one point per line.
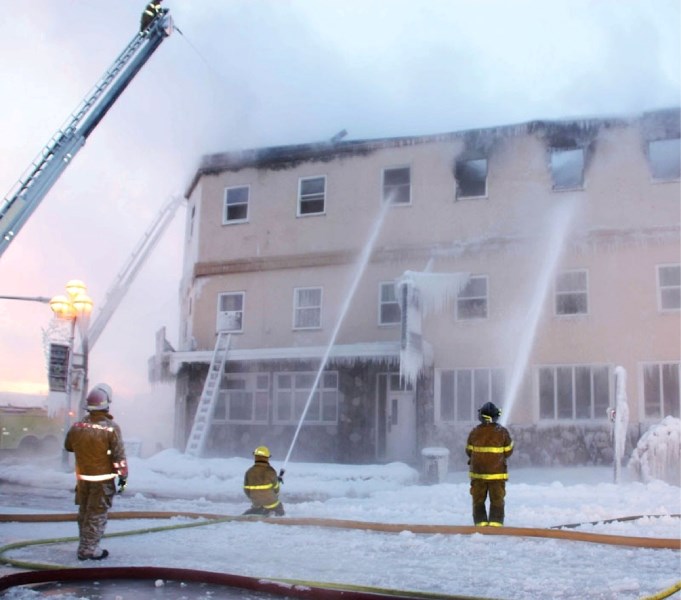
475	565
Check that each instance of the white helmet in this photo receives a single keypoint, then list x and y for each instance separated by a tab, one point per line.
99	397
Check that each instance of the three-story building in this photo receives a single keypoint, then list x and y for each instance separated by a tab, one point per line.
427	275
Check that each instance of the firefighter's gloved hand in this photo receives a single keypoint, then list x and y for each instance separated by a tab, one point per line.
122	482
280	477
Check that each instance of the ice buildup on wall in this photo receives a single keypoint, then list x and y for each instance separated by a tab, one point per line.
421	294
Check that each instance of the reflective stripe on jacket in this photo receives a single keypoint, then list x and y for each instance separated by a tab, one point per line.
98	445
152	9
261	484
488	447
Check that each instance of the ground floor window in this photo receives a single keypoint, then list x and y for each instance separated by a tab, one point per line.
292	391
464	391
661	397
574	392
243	398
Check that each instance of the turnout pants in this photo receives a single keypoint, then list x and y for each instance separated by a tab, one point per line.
496	490
94	499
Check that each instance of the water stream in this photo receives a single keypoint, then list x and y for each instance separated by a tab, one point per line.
556	234
361	267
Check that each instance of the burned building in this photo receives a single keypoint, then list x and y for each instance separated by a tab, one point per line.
387	288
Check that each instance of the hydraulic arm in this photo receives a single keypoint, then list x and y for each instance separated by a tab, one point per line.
51	162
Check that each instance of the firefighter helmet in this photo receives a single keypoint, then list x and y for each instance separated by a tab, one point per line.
99	397
488	413
263	451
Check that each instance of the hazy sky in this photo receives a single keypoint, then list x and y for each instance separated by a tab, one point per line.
249	73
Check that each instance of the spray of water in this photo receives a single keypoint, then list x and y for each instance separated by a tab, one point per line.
556	235
361	267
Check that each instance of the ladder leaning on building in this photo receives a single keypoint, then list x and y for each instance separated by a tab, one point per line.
211	387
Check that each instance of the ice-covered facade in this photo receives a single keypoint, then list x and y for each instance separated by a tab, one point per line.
518	264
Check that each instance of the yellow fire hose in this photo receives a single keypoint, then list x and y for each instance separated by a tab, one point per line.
322	590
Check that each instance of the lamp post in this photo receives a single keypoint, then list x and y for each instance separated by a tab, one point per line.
74	307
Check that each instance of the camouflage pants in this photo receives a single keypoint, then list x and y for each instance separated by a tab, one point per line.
480	489
94	499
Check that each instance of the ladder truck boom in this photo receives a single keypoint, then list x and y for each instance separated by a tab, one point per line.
131	268
27	193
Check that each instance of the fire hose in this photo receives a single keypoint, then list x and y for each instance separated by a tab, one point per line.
291	587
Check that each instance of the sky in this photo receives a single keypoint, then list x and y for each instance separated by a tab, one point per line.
253	73
512	568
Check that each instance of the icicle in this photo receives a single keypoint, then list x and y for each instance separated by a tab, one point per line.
426	293
619	416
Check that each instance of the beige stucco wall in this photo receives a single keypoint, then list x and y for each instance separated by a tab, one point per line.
624	225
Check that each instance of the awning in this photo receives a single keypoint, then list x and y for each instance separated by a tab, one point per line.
387	352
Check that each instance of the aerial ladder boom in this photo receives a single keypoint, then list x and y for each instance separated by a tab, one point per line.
51	162
127	274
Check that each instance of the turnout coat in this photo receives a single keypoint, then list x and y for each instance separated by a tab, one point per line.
488	447
261	484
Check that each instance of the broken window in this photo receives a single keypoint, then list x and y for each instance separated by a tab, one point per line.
669	287
571	293
464	391
307	308
472	300
471	178
573	392
661	392
236	205
293	390
397	185
567	168
231	311
389	312
311	195
665	159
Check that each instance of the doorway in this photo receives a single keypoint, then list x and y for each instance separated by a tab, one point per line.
398	414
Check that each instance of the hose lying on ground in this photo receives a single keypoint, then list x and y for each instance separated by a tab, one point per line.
294	588
580	536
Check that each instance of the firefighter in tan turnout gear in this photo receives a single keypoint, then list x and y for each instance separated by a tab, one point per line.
489	445
261	485
97	443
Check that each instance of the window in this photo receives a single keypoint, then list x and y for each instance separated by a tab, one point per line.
574	392
292	391
397	185
669	287
571	293
567	168
243	398
471	178
231	311
389	312
236	205
464	391
661	397
665	159
472	300
307	308
311	195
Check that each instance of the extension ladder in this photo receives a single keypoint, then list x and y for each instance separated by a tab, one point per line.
211	387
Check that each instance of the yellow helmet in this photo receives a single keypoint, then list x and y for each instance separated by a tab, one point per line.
262	451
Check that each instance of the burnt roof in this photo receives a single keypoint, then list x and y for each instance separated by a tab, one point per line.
558	133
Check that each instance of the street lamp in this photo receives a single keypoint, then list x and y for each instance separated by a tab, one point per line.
74	307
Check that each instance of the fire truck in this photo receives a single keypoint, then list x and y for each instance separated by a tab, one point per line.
30	430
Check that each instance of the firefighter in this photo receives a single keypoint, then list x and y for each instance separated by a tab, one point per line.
261	485
97	443
489	445
151	11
